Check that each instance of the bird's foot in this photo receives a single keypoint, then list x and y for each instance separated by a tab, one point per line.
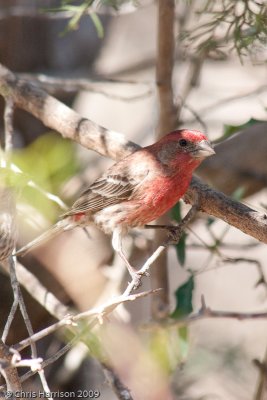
136	277
174	234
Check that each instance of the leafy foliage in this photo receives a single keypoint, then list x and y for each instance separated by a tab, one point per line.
230	130
184	298
49	161
180	247
241	24
169	347
86	7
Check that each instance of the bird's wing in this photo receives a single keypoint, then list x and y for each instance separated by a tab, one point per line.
110	189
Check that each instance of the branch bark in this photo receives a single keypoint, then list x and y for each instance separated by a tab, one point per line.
58	116
9	372
69	124
232	212
261	391
167	122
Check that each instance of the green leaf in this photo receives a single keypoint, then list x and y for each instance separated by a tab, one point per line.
184	298
238	194
181	246
230	130
210	221
49	162
176	212
98	25
181	249
89	338
159	347
169	347
183	333
9	178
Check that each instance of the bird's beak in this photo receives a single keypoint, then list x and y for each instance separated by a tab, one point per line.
204	149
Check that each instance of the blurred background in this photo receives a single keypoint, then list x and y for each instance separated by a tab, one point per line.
104	67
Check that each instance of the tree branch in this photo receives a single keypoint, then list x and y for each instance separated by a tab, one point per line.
71	125
9	372
167	122
58	116
206	312
232	212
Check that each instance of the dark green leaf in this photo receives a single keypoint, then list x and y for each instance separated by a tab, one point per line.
184	297
181	249
238	194
183	333
230	130
98	25
181	246
176	212
210	221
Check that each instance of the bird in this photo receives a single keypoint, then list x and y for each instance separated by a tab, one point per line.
136	190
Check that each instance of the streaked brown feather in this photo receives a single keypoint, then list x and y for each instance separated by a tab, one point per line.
106	191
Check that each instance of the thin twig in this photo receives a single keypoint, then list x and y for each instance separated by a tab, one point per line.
196	115
175	233
7	265
54	84
12	168
226	101
8	371
261	388
40	293
71	320
8	120
206	312
19	301
122	392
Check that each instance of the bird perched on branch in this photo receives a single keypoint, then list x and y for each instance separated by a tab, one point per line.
136	190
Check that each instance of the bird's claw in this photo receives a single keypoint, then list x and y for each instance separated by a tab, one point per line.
174	235
136	277
143	273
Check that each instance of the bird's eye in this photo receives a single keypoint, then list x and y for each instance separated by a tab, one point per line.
183	142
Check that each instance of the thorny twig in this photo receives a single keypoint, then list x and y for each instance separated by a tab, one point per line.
175	233
226	101
207	312
9	263
54	84
100	312
9	373
19	301
71	321
8	120
233	260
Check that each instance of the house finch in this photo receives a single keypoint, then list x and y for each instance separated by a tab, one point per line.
136	190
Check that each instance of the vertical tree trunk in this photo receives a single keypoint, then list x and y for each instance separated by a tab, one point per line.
167	122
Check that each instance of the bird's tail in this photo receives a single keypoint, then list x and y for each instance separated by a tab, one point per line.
59	227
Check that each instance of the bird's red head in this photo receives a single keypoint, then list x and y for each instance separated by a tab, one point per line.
188	146
188	134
